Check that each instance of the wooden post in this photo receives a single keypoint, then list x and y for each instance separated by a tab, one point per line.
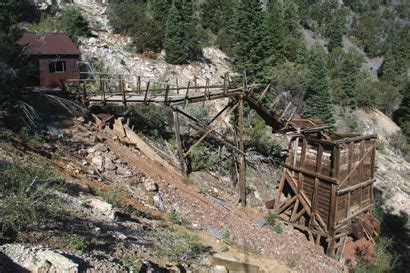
179	142
122	89
146	94
85	91
138	84
242	179
177	83
226	83
186	94
166	95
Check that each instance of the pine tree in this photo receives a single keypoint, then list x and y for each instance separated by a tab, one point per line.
402	115
317	98
250	49
336	32
275	35
159	9
349	76
387	71
190	26
174	40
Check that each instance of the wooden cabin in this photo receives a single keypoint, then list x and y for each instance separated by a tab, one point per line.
55	55
326	186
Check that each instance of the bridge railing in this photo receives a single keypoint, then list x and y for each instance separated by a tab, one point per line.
105	84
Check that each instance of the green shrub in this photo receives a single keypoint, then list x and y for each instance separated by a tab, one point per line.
278	228
173	216
399	142
113	196
270	219
26	197
147	35
6	134
200	160
381	262
122	14
132	262
78	242
73	23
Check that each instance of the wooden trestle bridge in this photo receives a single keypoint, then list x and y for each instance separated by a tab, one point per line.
326	189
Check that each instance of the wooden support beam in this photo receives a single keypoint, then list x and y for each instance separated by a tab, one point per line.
280	189
122	89
344	221
314	202
146	93
179	143
310	173
215	135
210	130
186	94
262	96
226	83
85	91
166	95
355	187
294	211
286	205
177	83
372	151
242	179
219	113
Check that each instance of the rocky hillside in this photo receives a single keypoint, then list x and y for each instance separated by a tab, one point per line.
124	210
115	53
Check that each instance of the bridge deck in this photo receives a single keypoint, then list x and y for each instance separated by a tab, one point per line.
133	98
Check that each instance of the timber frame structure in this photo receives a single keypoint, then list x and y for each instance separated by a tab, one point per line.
326	188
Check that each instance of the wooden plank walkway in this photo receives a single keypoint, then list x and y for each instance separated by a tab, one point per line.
133	98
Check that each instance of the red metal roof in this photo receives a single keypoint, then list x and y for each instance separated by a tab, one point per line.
48	44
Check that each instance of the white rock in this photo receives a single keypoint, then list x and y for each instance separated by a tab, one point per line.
97	161
150	185
38	260
219	269
109	165
159	203
103	207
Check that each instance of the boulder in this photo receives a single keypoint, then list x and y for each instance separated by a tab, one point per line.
150	185
97	161
103	207
37	260
109	165
158	202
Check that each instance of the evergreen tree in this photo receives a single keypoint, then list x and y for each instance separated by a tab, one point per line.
174	40
387	71
336	32
275	35
250	48
190	27
216	14
292	20
349	75
14	12
159	9
402	115
317	98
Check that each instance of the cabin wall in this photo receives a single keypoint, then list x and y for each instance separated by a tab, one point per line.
54	79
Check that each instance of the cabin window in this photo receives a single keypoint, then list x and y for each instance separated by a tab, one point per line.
57	67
